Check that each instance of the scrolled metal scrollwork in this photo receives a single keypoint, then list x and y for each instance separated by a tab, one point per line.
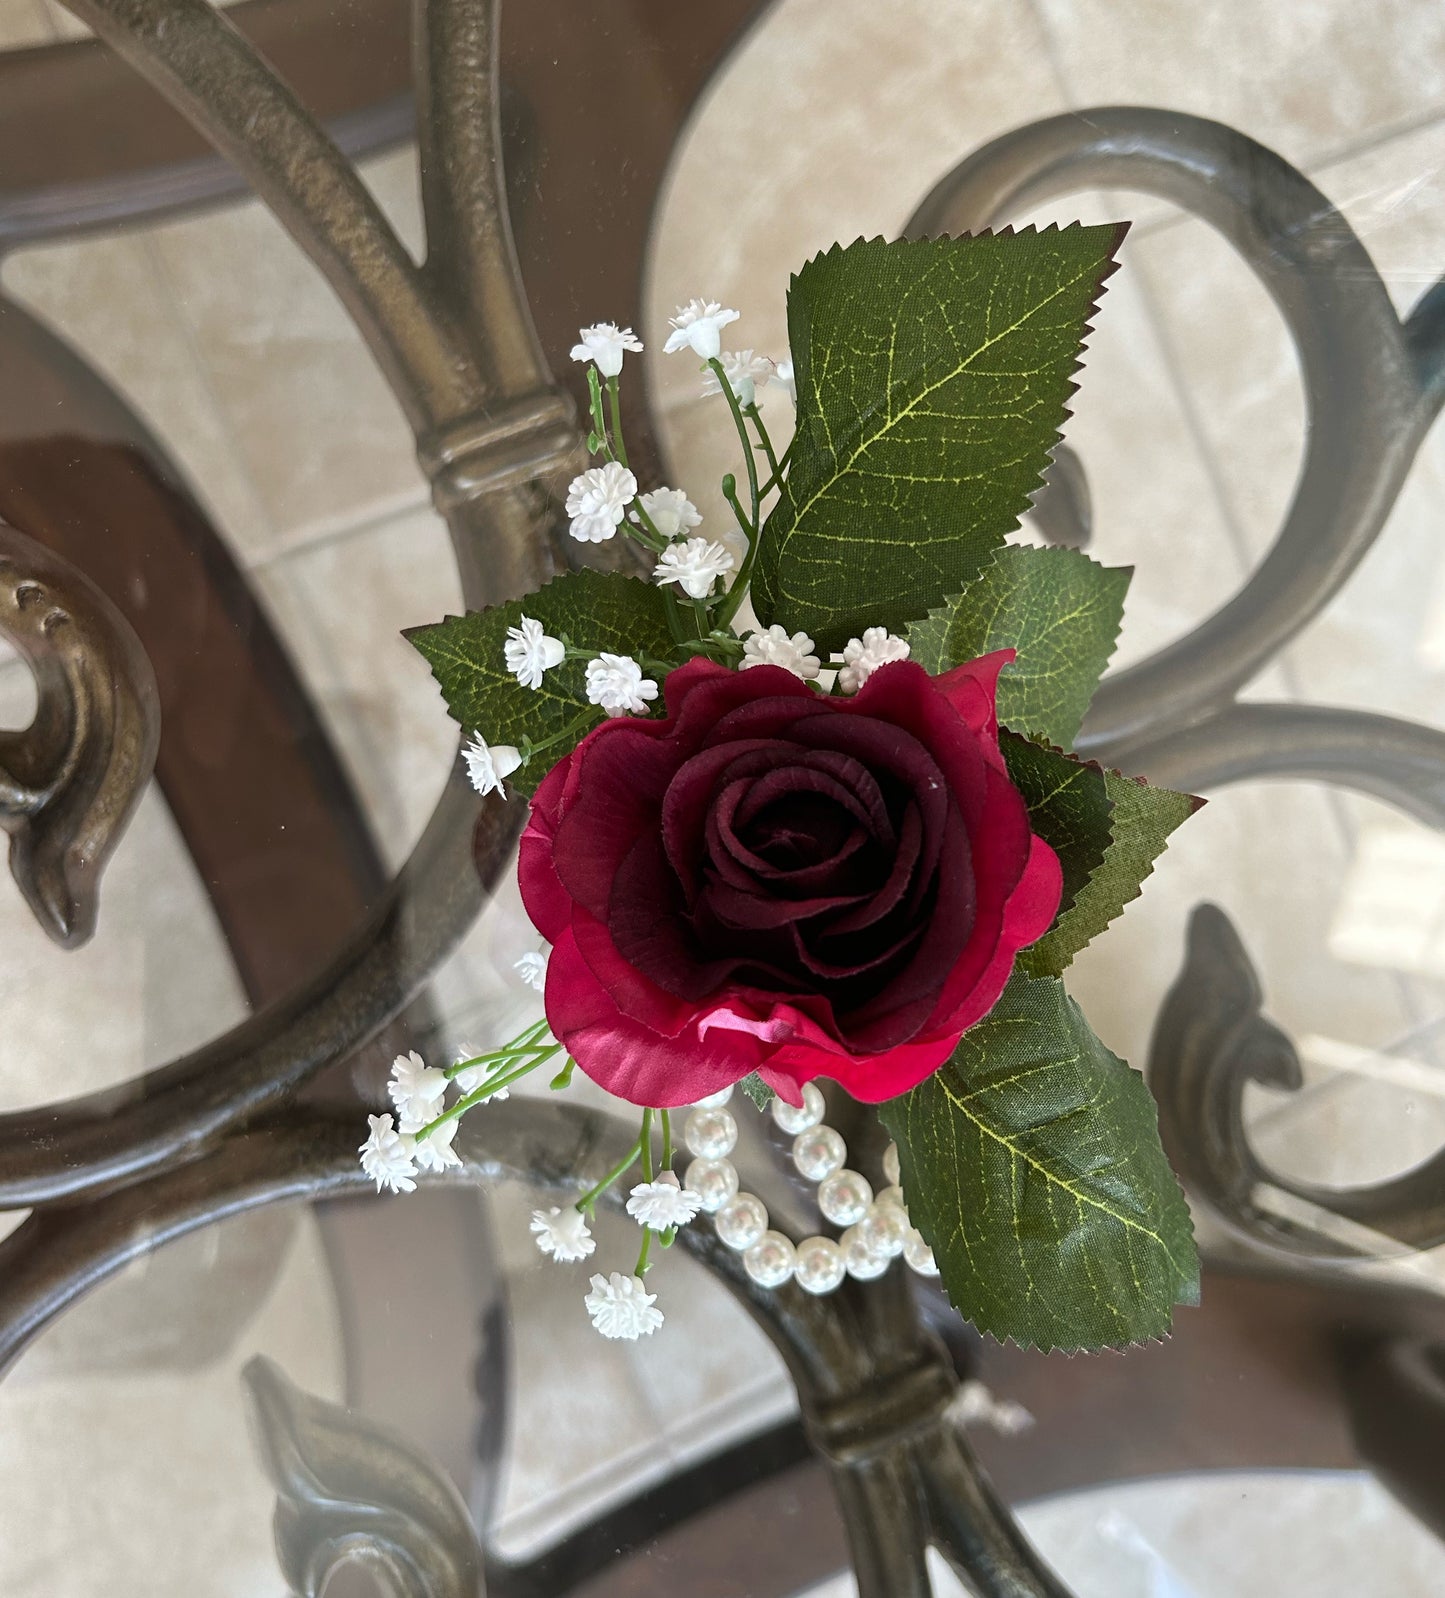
1210	1041
71	781
189	1144
874	1387
349	1490
1373	386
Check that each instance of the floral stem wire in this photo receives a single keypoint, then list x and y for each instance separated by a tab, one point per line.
755	416
644	1143
625	1164
751	525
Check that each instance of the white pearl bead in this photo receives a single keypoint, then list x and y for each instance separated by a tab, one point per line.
893	1195
844	1197
742	1221
819	1266
770	1260
885	1228
714	1182
818	1152
715	1101
862	1261
890	1164
792	1120
918	1254
711	1134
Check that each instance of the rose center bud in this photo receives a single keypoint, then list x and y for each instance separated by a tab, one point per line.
798	870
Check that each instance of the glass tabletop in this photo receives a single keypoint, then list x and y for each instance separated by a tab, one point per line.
200	425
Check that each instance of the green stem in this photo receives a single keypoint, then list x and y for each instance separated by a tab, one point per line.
640	1269
776	479
742	427
486	1091
524	1043
599	422
578	724
756	417
644	1142
616	413
730	494
666	1140
590	1197
736	594
564	1076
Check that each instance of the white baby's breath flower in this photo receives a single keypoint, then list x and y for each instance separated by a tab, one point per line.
621	1307
670	511
604	343
863	656
434	1152
694	566
529	652
416	1089
616	683
532	968
698	325
663	1203
775	648
597	500
746	374
783	371
386	1157
487	764
564	1234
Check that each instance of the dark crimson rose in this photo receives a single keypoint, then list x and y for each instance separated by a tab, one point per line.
771	880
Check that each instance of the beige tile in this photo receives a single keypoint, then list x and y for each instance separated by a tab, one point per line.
718	1379
1273	857
145	353
831	120
341	605
309	412
150	1484
575	1445
1282	1534
23	22
1306	78
1379	644
154	981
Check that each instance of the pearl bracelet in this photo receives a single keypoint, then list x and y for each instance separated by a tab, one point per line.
875	1230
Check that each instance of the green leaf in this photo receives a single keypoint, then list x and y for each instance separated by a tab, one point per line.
1057	608
1069	807
932	378
1142	819
1032	1165
757	1090
593	610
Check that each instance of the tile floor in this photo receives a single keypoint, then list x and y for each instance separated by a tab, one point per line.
832	119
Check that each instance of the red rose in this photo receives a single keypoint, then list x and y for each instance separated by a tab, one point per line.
771	880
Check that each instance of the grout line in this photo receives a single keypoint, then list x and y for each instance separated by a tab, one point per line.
1366	144
375	519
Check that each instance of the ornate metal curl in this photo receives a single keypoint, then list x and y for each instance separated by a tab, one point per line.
349	1490
70	782
873	1385
488	421
1373	387
1210	1040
